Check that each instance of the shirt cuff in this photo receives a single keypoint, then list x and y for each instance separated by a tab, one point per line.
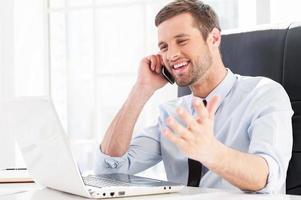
107	164
273	184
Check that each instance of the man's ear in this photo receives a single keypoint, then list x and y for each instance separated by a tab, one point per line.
215	38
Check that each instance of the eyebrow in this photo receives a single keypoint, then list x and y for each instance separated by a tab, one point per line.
177	36
181	35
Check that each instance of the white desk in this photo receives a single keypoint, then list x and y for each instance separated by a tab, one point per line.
39	193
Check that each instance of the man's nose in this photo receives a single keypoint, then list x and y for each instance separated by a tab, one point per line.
173	54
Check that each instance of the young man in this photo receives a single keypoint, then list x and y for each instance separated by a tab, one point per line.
242	138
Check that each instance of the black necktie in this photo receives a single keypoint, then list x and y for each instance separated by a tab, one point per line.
195	169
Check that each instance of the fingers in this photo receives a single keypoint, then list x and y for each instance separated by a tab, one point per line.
155	63
179	130
188	119
173	138
161	59
158	66
200	109
176	127
212	106
185	133
208	111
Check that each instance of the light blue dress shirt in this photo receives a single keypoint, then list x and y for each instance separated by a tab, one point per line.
253	116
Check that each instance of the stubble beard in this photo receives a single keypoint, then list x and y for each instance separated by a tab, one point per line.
196	71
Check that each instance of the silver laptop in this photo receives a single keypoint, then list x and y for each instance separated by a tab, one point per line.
48	157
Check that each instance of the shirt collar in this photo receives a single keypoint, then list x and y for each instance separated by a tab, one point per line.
222	89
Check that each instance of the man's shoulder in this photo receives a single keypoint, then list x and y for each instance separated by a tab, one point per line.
257	83
254	79
260	89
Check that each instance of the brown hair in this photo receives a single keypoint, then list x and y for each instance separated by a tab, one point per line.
204	16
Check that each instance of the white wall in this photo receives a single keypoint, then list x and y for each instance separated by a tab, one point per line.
31	43
7	149
23	61
285	11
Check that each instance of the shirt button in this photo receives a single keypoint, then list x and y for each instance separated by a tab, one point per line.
112	164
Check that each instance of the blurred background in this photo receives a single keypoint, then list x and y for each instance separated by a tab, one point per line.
85	54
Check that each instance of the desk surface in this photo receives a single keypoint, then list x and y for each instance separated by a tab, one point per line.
35	192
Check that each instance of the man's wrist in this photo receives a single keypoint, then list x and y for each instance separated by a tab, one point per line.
217	157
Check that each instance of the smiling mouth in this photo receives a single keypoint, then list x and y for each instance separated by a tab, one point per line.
179	67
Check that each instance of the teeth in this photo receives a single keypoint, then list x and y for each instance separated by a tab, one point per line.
180	65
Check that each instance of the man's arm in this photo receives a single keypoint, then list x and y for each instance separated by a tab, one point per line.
197	141
119	133
245	171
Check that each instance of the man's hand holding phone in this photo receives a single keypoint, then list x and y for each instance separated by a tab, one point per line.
151	73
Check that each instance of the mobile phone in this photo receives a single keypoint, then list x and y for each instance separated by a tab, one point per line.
167	75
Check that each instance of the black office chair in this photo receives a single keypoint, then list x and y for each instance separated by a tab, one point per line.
274	52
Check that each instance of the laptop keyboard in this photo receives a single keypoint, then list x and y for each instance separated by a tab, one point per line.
99	181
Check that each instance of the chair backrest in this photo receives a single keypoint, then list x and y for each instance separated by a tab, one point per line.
274	52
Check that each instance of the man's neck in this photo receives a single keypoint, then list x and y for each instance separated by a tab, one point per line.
211	79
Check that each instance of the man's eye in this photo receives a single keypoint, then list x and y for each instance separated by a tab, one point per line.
163	48
182	41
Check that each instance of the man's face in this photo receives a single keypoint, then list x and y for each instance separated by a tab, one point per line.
183	49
